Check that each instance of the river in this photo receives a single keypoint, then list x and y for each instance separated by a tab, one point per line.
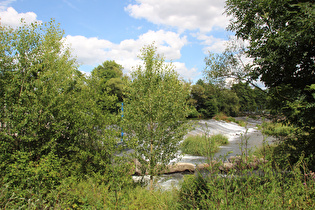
235	134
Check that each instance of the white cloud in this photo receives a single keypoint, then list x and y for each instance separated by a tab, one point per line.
187	74
203	15
10	17
93	51
212	44
88	51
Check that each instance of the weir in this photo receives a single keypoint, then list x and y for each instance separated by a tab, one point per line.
233	131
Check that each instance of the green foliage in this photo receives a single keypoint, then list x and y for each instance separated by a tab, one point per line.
292	143
228	102
50	125
193	113
211	99
277	129
89	194
280	35
109	84
205	103
270	189
281	38
155	111
107	71
246	97
202	145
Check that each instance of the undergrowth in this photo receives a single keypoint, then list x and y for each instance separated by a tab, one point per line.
268	188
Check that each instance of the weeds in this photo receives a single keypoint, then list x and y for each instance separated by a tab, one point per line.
270	189
203	145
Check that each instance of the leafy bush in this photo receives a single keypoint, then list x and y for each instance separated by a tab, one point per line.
193	113
292	143
277	129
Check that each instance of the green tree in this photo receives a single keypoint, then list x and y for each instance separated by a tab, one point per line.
281	42
231	65
281	36
108	70
107	79
49	126
204	95
155	112
246	96
228	102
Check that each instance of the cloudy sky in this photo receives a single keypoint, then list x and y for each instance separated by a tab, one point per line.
99	30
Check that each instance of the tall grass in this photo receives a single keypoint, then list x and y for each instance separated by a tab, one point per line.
88	194
221	116
268	188
278	130
272	186
202	144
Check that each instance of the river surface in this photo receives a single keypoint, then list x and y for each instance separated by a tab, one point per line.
236	135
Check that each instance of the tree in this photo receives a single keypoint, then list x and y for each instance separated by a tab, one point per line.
281	42
281	36
108	70
228	102
155	112
246	96
107	79
231	66
204	95
49	126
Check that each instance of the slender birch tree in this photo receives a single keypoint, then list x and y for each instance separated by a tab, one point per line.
155	112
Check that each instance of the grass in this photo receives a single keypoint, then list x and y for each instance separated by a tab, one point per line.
88	194
221	116
277	129
202	145
273	189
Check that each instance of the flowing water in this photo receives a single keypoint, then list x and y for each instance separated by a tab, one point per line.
236	135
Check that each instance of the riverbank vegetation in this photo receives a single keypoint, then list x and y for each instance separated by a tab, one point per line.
203	145
268	187
63	139
271	188
224	117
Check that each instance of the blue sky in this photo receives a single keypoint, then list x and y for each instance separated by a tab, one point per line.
99	30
